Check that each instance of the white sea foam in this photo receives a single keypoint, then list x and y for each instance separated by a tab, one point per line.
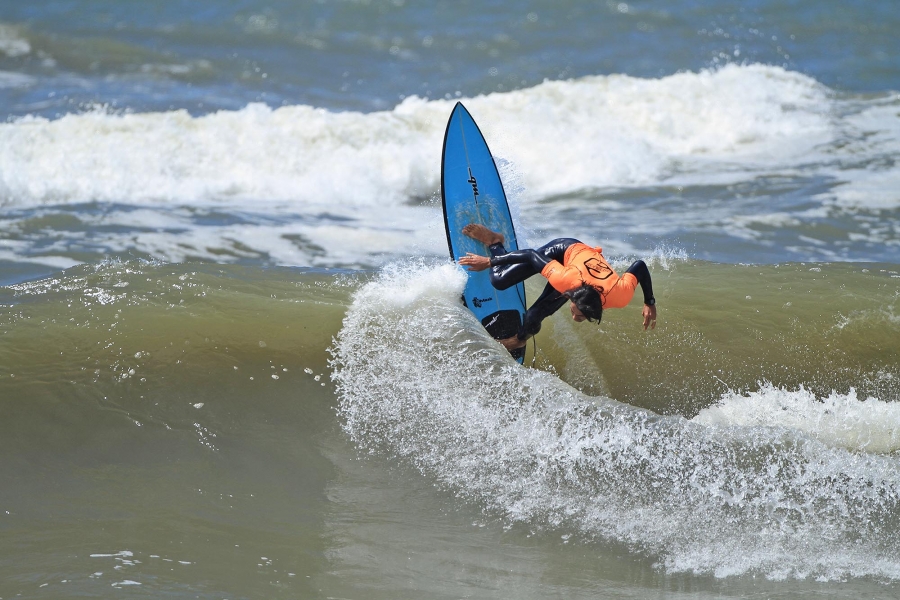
839	420
871	130
12	42
417	378
9	79
561	136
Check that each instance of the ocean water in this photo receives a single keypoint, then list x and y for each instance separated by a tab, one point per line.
233	363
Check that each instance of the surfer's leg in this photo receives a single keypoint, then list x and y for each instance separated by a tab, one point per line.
502	276
547	303
506	276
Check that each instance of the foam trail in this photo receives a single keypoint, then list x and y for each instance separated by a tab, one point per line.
417	378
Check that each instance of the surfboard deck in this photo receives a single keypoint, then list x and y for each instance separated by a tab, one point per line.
471	192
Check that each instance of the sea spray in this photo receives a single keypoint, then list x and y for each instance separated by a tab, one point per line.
418	379
838	420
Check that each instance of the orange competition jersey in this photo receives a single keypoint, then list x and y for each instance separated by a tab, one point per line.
583	264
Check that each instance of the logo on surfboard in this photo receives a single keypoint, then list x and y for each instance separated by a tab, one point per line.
474	183
479	301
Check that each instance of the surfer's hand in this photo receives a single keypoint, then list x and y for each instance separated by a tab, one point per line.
513	342
650	316
475	262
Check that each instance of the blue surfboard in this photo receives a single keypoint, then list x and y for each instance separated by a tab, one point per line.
472	193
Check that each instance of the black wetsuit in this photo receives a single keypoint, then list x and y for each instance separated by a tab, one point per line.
510	268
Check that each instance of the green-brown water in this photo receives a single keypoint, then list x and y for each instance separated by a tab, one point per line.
174	430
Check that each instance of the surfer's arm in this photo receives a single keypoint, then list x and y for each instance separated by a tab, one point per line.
642	274
640	271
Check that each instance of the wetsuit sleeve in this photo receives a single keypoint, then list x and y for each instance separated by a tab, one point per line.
527	255
642	274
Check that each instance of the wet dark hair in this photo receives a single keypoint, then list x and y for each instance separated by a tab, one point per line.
587	300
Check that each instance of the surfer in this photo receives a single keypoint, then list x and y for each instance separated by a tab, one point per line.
575	273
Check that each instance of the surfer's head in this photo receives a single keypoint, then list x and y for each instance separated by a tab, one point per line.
586	304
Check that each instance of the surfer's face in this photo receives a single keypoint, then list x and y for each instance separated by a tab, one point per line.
577	315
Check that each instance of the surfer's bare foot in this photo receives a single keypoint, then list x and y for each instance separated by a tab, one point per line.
483	234
511	343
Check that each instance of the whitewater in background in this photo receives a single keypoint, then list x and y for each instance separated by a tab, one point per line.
808	174
232	358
